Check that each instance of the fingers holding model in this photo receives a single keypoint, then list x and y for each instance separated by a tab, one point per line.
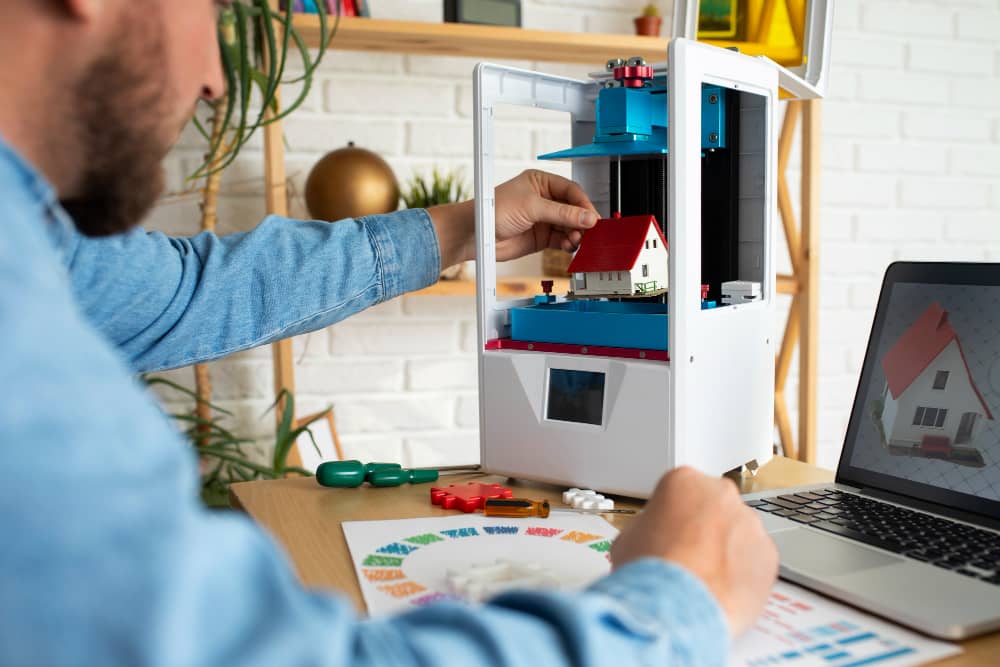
538	210
534	210
701	524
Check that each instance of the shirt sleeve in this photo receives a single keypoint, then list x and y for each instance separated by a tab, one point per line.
170	302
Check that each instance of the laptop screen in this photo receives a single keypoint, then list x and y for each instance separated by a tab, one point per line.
926	418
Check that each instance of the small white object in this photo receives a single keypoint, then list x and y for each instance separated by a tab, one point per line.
480	582
571	495
587	499
739	291
741	287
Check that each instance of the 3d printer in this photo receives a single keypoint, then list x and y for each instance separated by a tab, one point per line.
661	354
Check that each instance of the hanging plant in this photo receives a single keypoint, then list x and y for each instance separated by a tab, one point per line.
254	41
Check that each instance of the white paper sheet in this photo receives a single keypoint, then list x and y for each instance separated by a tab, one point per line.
403	563
803	629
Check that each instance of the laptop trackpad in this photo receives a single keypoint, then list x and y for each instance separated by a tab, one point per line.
814	553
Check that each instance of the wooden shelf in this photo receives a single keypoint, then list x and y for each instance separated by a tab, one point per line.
506	287
480	41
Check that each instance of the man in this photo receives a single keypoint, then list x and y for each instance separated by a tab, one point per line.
107	556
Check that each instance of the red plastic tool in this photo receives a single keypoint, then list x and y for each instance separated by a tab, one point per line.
467	497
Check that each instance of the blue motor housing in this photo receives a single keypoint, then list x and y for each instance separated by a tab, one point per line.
633	121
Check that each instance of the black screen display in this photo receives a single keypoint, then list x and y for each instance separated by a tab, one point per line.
576	396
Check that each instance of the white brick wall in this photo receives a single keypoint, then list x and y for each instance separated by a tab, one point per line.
911	161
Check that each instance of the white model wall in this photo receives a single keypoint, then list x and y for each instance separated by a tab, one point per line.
958	397
911	159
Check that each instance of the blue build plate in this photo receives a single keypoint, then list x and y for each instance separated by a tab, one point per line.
640	326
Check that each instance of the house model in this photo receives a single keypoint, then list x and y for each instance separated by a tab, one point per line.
621	256
931	405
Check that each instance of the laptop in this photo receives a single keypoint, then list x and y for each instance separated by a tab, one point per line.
910	530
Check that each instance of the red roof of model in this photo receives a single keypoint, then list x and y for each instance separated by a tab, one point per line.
918	347
613	244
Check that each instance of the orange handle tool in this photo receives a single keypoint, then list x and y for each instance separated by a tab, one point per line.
516	507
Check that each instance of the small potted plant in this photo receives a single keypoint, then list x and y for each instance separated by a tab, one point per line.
649	22
440	188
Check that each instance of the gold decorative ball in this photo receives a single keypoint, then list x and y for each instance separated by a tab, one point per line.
349	183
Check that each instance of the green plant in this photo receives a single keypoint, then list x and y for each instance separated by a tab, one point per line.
254	55
223	455
651	10
254	40
438	189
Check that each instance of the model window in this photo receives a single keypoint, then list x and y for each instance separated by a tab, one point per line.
940	379
602	275
647	244
654	243
933	417
645	270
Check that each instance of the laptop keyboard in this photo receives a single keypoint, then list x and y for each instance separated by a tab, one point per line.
951	545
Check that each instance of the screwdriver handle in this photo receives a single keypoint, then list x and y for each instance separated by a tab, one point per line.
515	507
354	473
397	476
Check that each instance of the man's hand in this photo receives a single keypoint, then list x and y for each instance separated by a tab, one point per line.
700	523
534	210
537	210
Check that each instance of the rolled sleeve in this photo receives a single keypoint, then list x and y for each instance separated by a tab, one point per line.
407	249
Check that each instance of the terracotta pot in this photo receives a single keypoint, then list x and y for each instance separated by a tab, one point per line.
648	25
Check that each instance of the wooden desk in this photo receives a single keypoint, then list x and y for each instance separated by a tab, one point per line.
305	518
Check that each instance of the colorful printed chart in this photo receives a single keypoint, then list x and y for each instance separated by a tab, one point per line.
405	562
804	629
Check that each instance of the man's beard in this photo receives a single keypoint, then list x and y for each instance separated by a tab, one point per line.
117	123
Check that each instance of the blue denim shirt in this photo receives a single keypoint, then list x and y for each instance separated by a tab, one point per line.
107	556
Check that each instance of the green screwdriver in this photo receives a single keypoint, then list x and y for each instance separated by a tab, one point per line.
352	473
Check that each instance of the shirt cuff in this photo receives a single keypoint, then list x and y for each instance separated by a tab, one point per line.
673	602
407	249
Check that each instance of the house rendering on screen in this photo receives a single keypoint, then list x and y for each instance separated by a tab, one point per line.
931	406
621	256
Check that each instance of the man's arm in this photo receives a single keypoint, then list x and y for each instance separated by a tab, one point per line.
111	560
170	302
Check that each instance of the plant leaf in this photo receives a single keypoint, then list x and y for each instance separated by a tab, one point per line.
155	379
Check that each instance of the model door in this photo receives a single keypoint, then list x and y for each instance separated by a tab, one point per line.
965	427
